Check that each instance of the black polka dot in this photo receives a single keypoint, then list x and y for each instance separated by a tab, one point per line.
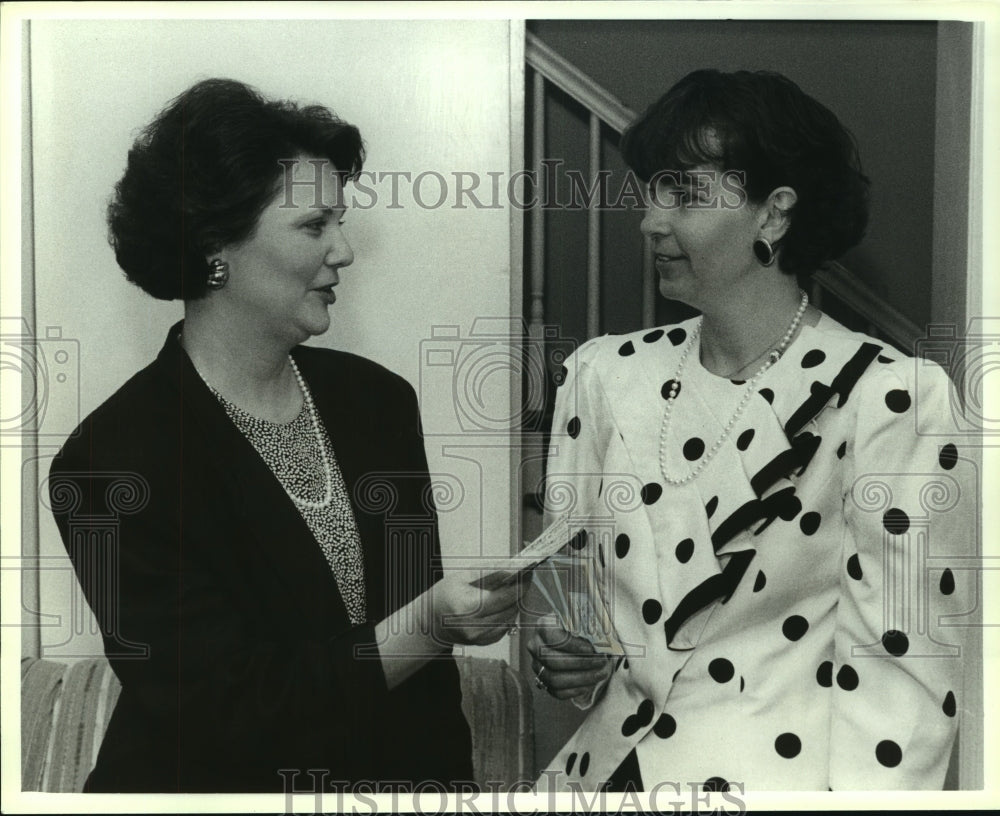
693	449
790	508
570	762
645	712
883	359
627	349
561	375
745	439
948	706
738	382
824	674
841	450
630	726
767	394
947	584
794	627
854	567
788	745
684	550
896	521
710	508
896	642
813	358
721	670
625	664
584	763
760	581
898	401
809	523
652	336
847	678
665	726
742	684
573	427
651	611
888	753
677	336
665	389
651	492
948	457
579	541
622	543
600	554
715	784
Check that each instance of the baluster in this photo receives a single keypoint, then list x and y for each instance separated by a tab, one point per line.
594	234
535	397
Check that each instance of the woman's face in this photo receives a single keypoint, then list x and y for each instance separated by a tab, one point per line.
282	277
702	229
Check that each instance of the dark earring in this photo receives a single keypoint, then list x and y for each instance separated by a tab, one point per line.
219	275
763	250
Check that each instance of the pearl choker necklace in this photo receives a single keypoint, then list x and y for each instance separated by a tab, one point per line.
748	392
317	434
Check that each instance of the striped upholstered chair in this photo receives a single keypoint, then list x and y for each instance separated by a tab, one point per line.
65	710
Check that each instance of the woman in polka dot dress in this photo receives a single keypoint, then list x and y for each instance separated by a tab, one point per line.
272	597
777	507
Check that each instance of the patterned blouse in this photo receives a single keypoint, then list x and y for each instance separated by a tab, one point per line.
291	452
790	615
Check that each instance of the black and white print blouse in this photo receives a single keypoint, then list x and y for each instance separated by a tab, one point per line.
785	614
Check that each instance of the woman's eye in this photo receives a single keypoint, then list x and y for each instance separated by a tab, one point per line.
341	222
316	226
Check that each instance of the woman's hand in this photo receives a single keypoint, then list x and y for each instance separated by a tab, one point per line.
464	613
565	665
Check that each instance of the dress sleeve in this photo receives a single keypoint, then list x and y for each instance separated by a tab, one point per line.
581	426
910	503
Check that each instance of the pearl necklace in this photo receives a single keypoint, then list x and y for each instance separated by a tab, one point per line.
317	434
675	385
320	441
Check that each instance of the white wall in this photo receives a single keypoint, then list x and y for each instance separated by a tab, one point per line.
427	95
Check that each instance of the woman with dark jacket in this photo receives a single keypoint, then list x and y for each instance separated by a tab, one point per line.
274	599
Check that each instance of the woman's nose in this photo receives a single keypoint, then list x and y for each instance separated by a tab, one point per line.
654	221
340	252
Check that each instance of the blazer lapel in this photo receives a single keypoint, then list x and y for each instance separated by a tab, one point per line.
274	531
357	445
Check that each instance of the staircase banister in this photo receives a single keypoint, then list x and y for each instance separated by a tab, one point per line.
858	296
570	79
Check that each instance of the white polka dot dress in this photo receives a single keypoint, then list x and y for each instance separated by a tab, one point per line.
784	613
291	451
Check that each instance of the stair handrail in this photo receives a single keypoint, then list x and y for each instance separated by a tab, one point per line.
570	79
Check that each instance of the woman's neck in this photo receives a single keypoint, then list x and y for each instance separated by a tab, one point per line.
248	369
739	331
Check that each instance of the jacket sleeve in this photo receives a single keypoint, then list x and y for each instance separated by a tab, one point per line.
581	426
910	502
226	689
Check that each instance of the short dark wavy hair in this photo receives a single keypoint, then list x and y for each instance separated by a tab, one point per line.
764	125
199	176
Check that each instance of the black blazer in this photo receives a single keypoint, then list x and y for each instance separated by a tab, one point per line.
218	612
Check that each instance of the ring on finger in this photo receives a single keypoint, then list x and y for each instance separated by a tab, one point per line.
539	683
